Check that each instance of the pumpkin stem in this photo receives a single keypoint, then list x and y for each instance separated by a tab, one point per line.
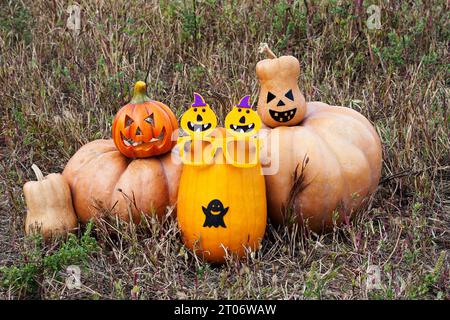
140	93
264	48
37	172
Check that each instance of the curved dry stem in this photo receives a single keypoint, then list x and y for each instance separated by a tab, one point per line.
37	172
264	48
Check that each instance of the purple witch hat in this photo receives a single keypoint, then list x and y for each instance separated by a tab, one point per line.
198	101
244	103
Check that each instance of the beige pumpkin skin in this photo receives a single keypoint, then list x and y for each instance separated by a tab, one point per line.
344	165
101	177
280	101
49	206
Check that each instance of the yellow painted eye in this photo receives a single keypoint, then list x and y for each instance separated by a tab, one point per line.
195	109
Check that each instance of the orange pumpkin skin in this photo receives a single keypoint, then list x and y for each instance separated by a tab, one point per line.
344	166
280	101
144	128
99	176
239	191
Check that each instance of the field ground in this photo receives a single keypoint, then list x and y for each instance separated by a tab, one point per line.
59	90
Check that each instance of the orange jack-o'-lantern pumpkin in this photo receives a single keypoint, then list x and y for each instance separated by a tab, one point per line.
144	128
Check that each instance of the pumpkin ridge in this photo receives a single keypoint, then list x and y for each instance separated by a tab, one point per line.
98	163
348	204
373	138
341	170
338	115
349	114
314	133
167	119
91	149
93	158
97	179
163	169
60	198
173	118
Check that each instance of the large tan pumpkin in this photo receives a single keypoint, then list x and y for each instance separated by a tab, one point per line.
99	177
341	155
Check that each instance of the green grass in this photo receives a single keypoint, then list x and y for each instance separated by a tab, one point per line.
59	91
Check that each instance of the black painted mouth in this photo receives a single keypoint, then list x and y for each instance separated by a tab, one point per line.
242	129
198	127
282	116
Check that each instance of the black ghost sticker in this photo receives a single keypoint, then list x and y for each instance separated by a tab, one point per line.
214	214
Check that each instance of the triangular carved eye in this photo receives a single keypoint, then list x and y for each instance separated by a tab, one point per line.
289	95
128	121
270	96
150	119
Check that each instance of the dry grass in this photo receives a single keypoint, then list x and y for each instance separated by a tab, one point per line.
59	91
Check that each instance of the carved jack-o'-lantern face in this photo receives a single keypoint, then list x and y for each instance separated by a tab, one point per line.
280	101
143	128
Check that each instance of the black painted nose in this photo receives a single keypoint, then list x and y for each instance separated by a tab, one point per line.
280	103
199	118
242	119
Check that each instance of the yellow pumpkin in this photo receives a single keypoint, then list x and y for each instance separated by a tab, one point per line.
221	207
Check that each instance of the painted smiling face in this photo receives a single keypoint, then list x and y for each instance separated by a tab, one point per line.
199	119
242	121
143	128
280	101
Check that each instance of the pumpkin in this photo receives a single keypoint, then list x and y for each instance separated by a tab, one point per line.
326	167
280	101
221	208
100	177
144	128
49	205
